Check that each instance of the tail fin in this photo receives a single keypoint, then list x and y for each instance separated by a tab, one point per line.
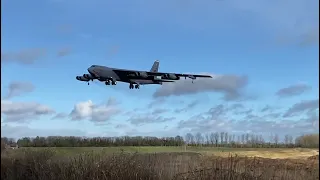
155	66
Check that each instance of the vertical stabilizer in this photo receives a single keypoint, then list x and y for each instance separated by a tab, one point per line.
155	66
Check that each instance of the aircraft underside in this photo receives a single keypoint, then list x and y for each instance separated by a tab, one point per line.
131	85
110	81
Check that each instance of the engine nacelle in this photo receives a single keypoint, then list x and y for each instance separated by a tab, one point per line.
142	74
88	76
192	77
170	77
81	78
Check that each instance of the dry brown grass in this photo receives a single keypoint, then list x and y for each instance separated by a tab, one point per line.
46	164
285	153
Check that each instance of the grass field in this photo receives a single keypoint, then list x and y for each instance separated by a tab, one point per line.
273	153
159	163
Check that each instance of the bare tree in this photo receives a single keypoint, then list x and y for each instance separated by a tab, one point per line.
207	139
230	138
276	139
226	136
199	138
243	138
290	140
286	140
247	138
212	140
216	138
189	138
221	137
239	139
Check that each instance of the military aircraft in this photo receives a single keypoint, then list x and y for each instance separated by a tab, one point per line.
135	78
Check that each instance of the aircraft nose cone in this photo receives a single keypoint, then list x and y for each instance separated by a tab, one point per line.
90	69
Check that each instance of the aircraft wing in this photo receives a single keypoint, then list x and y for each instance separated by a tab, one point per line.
192	76
146	74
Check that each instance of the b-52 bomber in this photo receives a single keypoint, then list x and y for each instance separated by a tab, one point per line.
135	78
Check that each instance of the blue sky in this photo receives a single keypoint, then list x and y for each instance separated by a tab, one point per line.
261	54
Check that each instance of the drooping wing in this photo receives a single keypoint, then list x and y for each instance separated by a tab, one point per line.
179	75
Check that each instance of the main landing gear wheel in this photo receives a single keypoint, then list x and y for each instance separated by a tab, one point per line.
108	82
136	86
130	86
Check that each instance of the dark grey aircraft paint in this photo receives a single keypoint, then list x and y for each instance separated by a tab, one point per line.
135	78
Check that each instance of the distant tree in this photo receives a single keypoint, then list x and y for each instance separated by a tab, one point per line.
309	140
216	138
199	138
221	138
244	140
276	140
226	136
189	138
212	139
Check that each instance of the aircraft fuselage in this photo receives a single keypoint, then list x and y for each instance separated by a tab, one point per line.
104	73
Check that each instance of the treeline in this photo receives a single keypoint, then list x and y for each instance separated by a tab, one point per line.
222	139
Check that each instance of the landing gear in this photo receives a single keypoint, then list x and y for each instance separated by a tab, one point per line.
89	81
108	82
131	86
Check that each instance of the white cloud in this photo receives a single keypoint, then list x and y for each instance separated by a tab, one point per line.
26	56
23	111
96	113
293	90
18	88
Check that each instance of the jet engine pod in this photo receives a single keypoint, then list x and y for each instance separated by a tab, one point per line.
142	74
87	76
81	78
192	77
170	77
